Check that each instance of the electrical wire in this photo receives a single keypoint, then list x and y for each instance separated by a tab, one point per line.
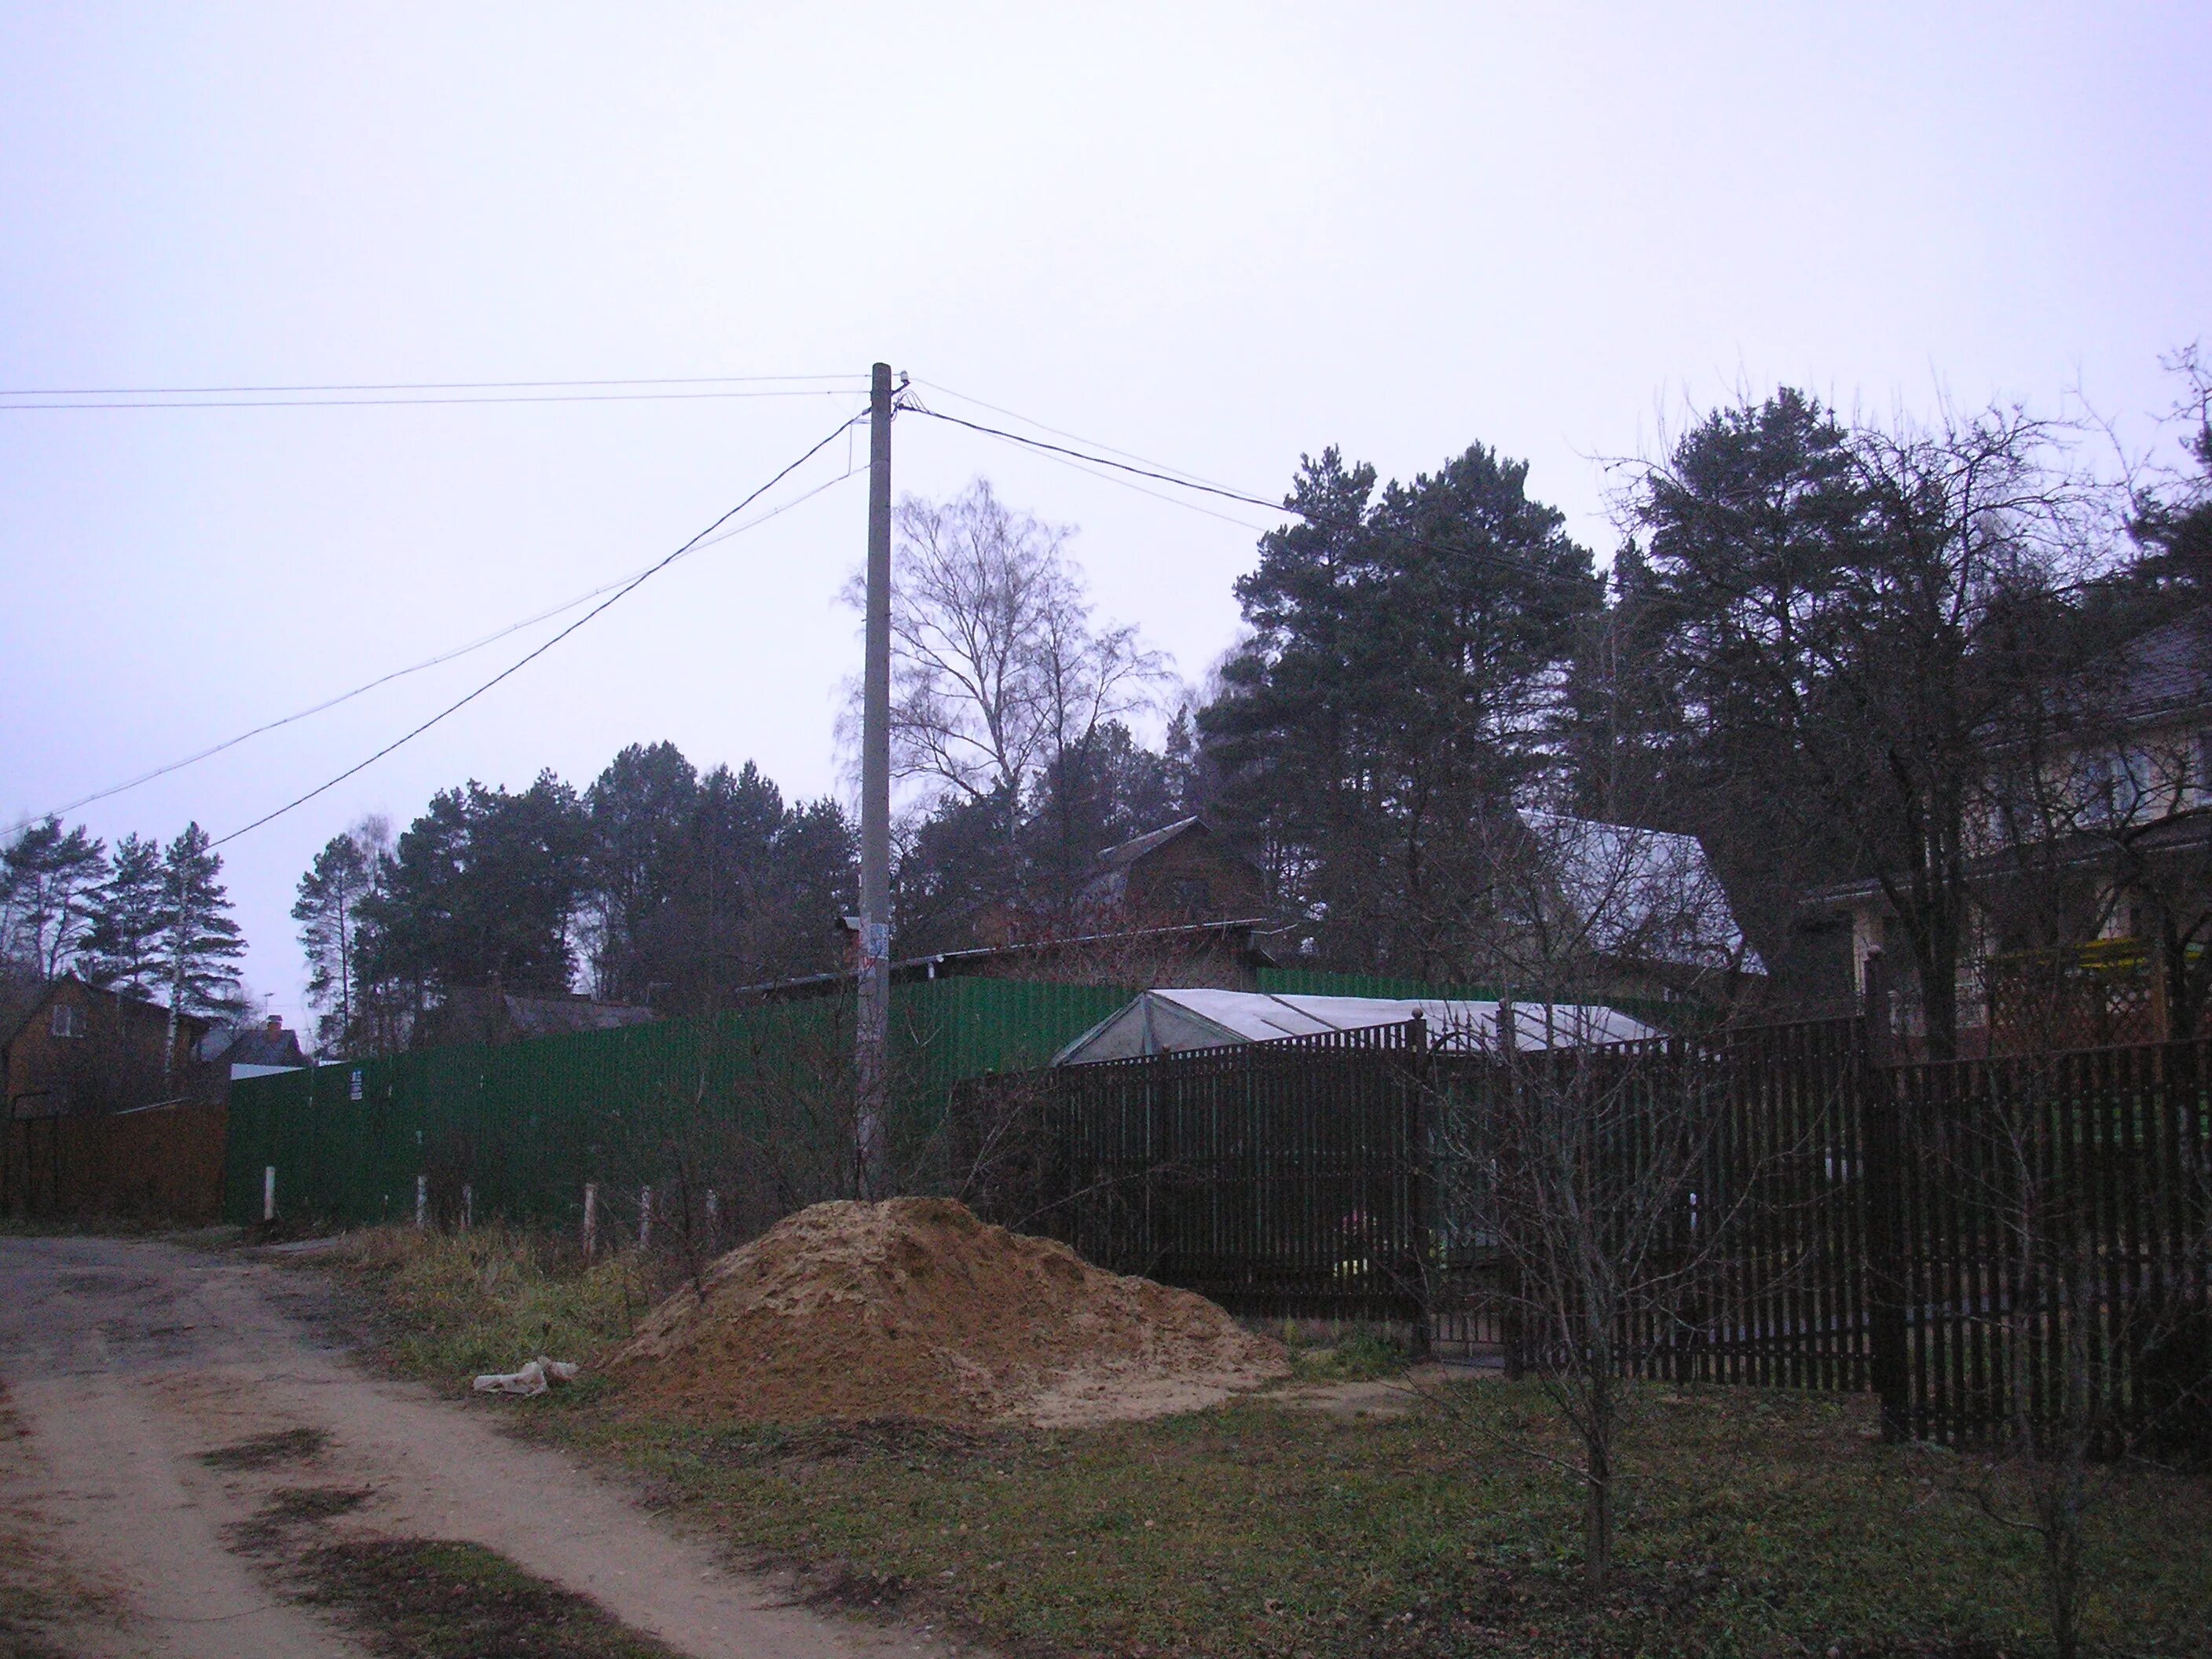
443	657
1320	520
522	662
1072	437
393	403
1131	483
417	386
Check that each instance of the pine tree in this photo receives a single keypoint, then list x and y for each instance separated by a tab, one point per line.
48	881
200	944
328	911
122	947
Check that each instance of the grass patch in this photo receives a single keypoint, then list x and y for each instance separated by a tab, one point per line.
1360	1355
288	1509
414	1598
491	1299
1754	1523
268	1451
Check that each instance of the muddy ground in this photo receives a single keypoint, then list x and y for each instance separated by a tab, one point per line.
127	1364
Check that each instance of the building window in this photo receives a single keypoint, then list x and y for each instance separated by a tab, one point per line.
67	1020
1192	896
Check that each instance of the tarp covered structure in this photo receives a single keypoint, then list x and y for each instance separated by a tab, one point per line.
1169	1021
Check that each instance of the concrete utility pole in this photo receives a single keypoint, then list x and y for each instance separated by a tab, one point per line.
871	1058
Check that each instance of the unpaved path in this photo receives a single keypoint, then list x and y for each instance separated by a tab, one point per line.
127	1360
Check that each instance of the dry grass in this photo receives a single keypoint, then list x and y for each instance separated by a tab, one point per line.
489	1299
267	1452
1754	1523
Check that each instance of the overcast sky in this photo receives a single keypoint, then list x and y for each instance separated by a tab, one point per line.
1217	235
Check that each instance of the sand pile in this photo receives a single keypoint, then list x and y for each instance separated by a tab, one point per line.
914	1307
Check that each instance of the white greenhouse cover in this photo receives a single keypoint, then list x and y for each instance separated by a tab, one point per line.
1169	1021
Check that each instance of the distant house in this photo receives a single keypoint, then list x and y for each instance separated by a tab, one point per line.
1633	912
1181	872
81	1050
491	1015
2091	874
1179	875
1228	954
1177	1021
255	1050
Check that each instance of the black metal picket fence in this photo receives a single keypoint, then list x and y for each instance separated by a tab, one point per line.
1970	1240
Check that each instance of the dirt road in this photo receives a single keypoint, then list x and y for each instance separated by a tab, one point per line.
127	1361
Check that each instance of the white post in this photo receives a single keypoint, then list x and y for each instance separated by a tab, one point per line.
421	1201
468	1205
269	1192
591	1218
713	1216
645	1217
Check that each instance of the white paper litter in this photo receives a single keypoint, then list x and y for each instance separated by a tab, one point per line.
539	1375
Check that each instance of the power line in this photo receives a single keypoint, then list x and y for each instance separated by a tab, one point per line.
1320	520
1155	494
522	662
388	402
1103	460
443	657
1073	437
411	385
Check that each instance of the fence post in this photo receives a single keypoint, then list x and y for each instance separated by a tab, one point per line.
591	1218
421	1201
1420	1188
468	1205
269	1192
714	1216
645	1217
1876	1009
1882	1198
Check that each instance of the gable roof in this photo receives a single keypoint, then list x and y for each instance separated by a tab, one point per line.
2166	671
198	1024
256	1045
1121	856
1646	894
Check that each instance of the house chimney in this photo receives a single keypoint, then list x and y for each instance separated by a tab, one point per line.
276	1024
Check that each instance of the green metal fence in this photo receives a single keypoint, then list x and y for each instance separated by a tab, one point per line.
520	1128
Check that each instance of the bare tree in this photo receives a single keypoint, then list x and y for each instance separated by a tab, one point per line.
2102	1355
1844	608
1597	1184
997	667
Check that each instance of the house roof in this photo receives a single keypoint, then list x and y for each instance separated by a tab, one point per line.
557	1016
197	1024
2187	831
1174	1021
1121	856
925	967
1646	894
256	1045
2163	671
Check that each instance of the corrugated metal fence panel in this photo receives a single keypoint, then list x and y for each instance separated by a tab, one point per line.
971	1026
523	1125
